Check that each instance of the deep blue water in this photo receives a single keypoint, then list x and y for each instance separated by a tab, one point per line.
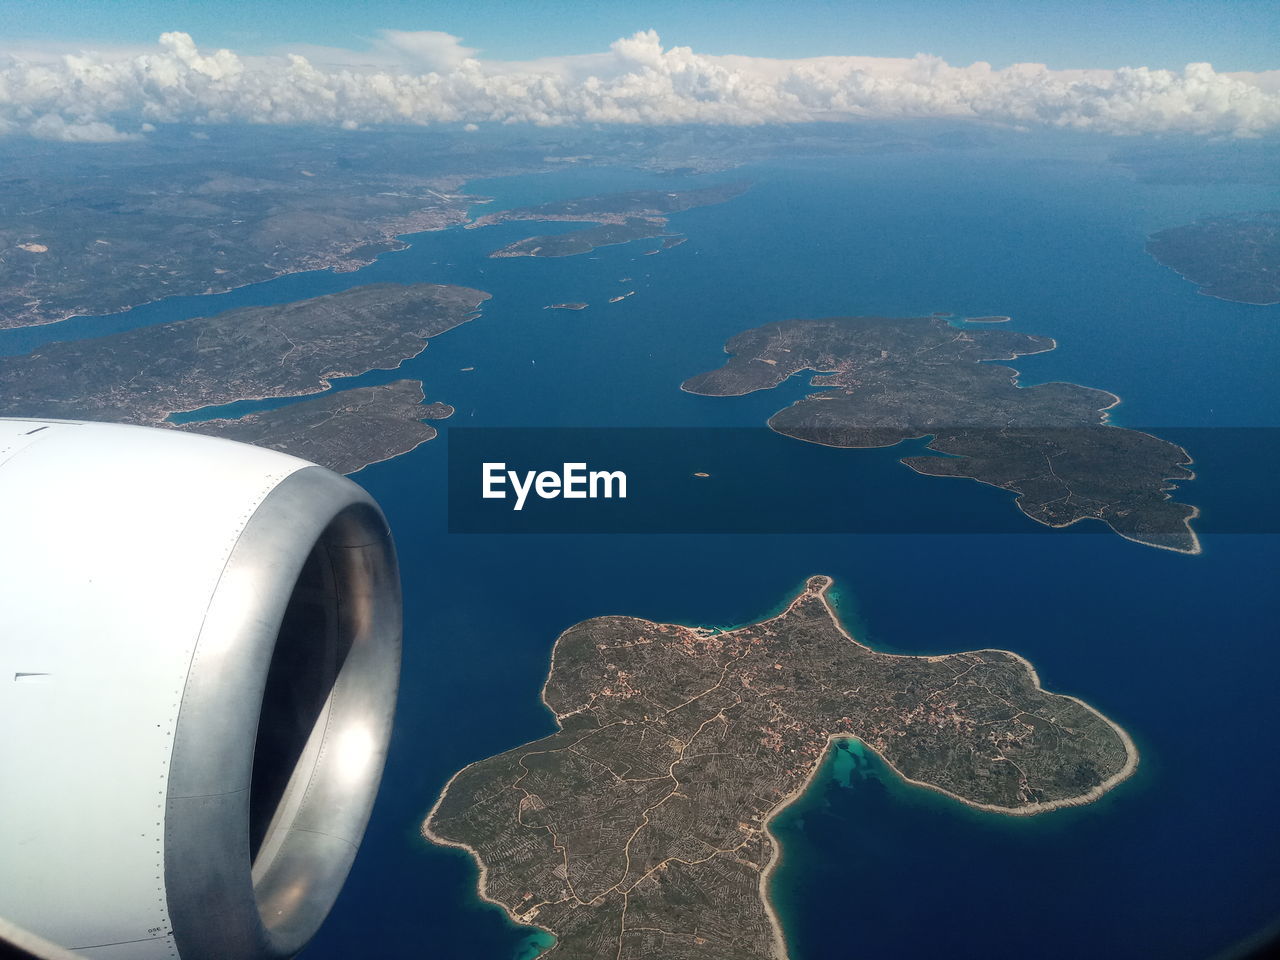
1179	862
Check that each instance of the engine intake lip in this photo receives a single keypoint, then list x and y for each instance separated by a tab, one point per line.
254	860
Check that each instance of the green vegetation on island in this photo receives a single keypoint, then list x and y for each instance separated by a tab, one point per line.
640	827
886	380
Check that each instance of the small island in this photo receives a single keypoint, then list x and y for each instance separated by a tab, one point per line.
583	241
621	218
640	828
292	349
618	208
1234	257
885	380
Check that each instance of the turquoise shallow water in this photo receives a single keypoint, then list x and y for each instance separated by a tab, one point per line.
1177	863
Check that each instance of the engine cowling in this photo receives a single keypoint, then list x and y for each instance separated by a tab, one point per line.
200	651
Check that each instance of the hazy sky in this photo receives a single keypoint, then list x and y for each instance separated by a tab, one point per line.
1231	34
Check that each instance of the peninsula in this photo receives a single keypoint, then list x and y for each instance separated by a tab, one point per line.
1234	257
886	380
344	430
251	353
640	828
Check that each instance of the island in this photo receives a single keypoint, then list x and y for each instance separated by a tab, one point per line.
292	349
170	215
618	208
344	430
640	828
622	217
669	243
886	380
583	241
1235	257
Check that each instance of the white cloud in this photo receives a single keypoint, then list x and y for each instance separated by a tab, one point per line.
53	127
430	77
395	50
426	49
1268	80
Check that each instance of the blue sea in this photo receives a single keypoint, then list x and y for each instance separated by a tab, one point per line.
1178	862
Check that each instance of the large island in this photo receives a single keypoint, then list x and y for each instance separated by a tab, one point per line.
79	235
1235	257
293	349
640	828
886	380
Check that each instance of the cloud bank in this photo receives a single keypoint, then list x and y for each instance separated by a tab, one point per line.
430	78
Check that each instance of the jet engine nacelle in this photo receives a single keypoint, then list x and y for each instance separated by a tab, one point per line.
199	656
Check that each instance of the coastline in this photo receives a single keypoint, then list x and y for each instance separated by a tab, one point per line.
1094	793
430	431
1201	287
1131	764
483	881
336	262
819	586
399	453
323	388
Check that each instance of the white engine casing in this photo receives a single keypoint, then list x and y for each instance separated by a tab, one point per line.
160	593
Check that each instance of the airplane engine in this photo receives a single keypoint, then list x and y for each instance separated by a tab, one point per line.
199	658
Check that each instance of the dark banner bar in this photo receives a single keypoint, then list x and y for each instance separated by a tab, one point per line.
753	480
